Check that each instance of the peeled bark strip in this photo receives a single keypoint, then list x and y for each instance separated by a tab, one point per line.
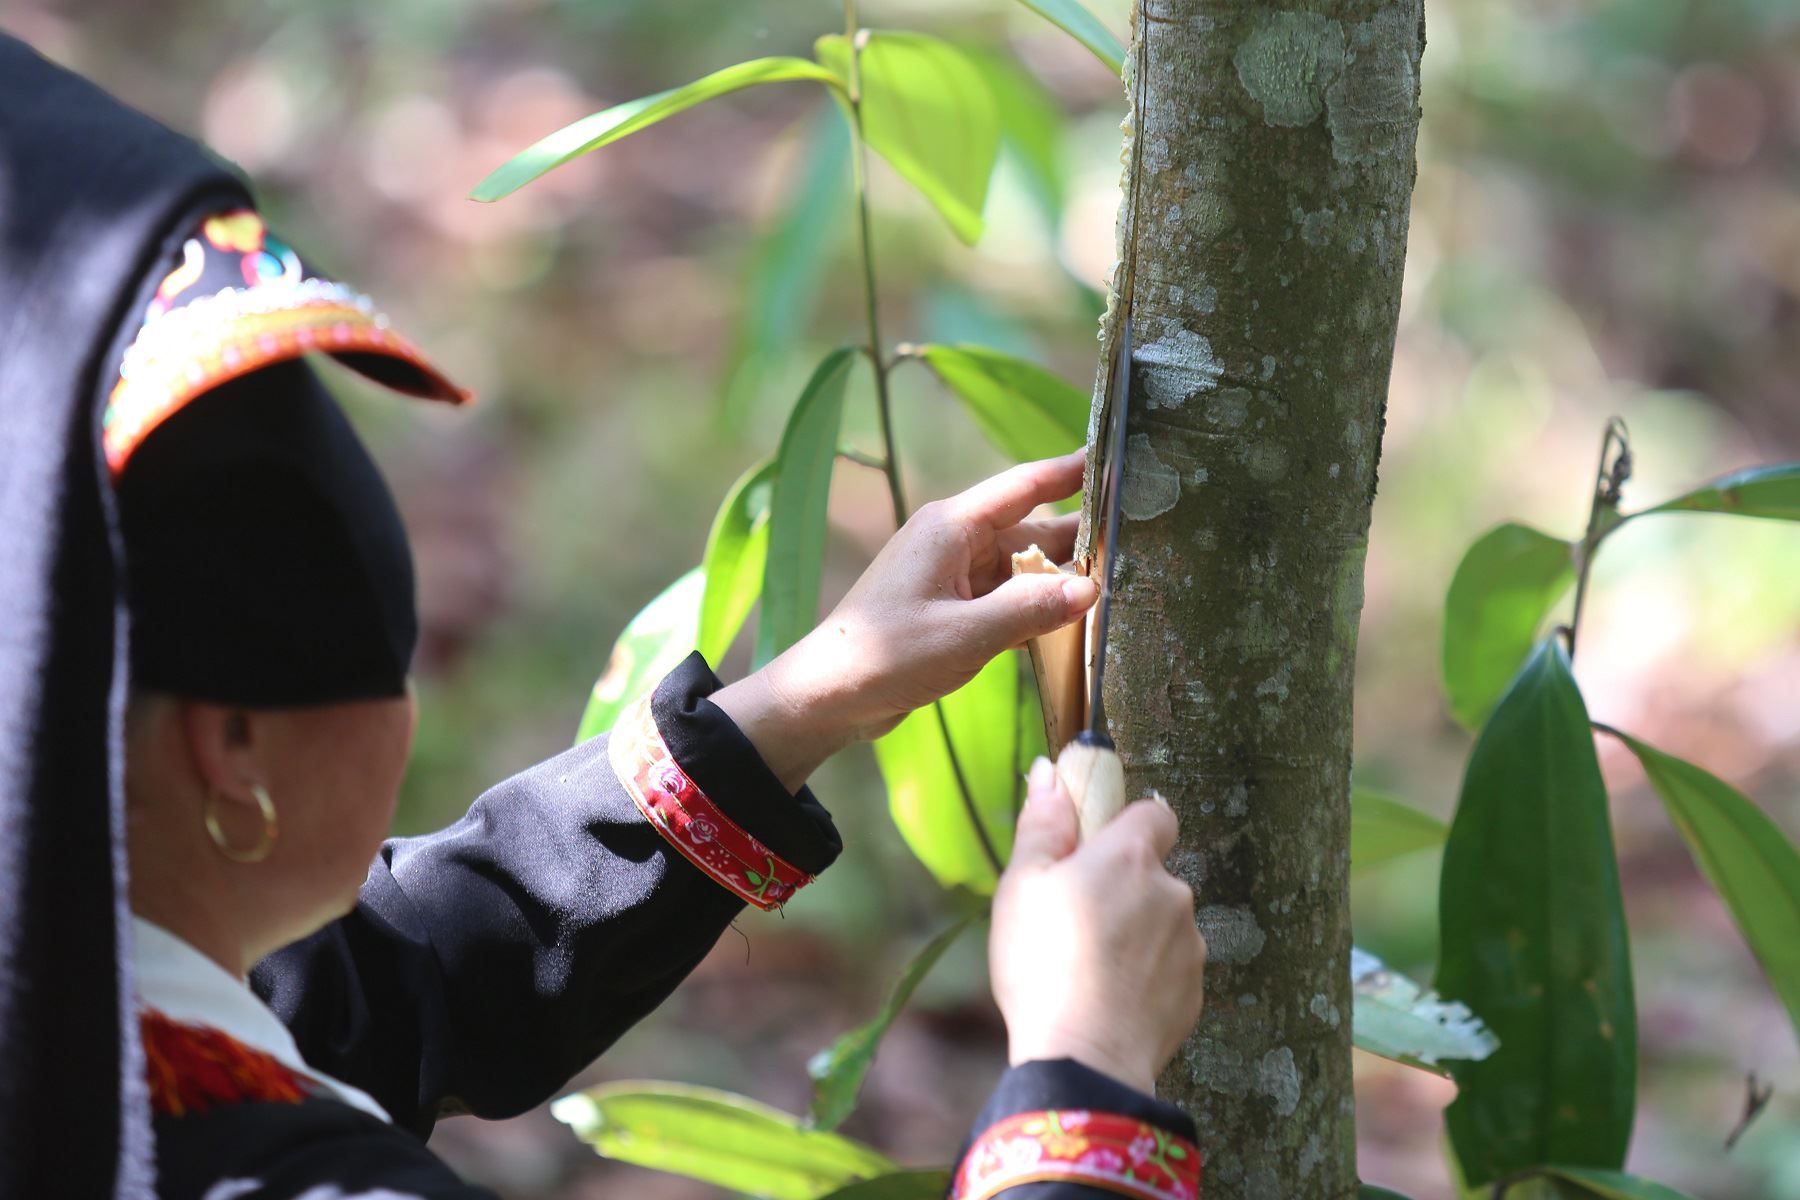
1269	239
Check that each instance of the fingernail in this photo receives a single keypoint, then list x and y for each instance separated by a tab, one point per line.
1158	797
1039	777
1080	591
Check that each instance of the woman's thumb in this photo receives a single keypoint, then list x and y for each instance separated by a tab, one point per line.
1028	606
1047	829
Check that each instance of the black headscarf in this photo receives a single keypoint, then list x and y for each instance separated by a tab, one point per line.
96	201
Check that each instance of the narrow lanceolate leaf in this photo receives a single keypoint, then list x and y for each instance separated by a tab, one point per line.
1502	590
795	565
1757	492
926	109
1534	939
1746	858
839	1069
621	120
1084	27
1382	828
930	1184
1396	1018
718	1138
1613	1185
788	261
1027	412
924	793
655	641
736	551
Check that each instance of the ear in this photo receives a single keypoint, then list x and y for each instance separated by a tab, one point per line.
221	743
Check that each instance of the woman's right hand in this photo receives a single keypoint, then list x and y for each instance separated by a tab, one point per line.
1094	953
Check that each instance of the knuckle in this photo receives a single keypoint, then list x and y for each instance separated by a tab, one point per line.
1137	855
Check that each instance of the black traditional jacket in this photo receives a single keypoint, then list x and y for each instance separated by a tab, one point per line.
488	963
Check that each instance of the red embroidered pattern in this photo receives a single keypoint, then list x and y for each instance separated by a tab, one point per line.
239	301
689	821
1104	1150
190	1068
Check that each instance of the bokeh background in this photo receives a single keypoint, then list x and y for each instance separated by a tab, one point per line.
1607	221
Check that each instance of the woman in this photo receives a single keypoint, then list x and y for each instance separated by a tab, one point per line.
209	619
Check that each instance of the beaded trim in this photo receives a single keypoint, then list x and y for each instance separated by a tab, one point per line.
198	334
1103	1150
690	822
190	1068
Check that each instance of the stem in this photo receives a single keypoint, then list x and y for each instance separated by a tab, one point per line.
962	790
852	454
883	405
860	163
1603	513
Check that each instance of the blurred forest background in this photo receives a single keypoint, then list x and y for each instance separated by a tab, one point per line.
1607	220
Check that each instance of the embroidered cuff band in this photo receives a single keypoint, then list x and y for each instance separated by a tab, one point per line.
1103	1150
692	823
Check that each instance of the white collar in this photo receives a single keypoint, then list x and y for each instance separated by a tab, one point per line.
184	985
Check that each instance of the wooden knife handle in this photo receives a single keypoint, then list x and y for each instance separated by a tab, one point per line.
1095	778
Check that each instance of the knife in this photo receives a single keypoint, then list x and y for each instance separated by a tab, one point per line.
1089	765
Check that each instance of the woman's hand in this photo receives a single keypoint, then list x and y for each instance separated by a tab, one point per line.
1094	953
937	603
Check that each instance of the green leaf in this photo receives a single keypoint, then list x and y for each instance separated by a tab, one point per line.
718	1138
930	1184
655	641
1502	590
1396	1018
838	1070
737	549
1534	940
923	795
1026	411
795	564
788	262
1084	27
1614	1185
928	111
1382	828
1031	127
1744	855
610	124
1757	492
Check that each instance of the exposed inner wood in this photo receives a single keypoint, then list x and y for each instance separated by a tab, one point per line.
1059	660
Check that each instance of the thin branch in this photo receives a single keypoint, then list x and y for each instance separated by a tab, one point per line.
1603	512
891	465
1756	1099
852	454
860	162
963	789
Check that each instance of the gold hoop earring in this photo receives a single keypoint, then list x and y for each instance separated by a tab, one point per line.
271	827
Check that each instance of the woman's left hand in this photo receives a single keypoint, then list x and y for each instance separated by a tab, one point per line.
938	603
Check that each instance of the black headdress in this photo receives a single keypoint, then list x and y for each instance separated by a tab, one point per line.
96	203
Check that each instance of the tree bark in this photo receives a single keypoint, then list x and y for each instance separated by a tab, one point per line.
1269	237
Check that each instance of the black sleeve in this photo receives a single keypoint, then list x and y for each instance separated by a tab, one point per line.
1065	1084
309	1151
486	964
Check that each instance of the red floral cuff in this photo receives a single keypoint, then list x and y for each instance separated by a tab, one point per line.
690	822
1103	1150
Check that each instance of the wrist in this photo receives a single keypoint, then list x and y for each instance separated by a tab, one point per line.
792	729
827	680
1090	1052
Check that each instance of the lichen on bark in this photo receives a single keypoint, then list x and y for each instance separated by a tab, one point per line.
1268	237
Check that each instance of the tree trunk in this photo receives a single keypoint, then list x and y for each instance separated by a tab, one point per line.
1269	237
